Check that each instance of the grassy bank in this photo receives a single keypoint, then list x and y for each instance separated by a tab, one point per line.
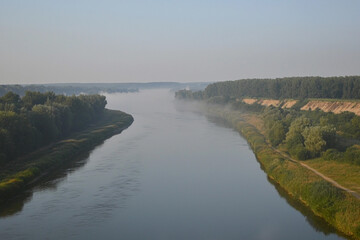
348	175
16	176
339	208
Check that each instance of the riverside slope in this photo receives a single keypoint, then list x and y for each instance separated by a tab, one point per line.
337	206
18	175
330	180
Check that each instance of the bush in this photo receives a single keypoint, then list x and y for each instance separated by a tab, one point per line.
299	152
277	133
332	154
352	154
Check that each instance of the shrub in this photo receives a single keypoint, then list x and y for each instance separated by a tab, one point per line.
332	154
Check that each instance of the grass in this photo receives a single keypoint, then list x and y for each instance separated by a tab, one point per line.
257	122
345	174
16	176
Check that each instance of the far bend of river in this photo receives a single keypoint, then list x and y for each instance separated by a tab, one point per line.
172	175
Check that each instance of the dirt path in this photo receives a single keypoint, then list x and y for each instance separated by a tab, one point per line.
256	122
330	180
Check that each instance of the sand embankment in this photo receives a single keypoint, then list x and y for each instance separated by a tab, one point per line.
333	106
288	103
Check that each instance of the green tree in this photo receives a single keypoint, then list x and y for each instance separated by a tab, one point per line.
40	118
294	136
277	133
318	139
11	102
33	98
43	120
314	141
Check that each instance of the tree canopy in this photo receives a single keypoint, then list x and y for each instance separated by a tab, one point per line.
37	119
282	88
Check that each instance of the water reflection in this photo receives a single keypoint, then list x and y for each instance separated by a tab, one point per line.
47	183
318	223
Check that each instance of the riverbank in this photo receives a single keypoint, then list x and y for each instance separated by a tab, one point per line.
338	207
17	176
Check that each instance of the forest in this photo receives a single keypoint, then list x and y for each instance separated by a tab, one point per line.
282	88
67	89
37	119
96	88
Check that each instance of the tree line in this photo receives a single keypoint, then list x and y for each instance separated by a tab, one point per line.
37	119
64	89
281	88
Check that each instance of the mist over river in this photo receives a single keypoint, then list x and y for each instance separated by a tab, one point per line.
173	174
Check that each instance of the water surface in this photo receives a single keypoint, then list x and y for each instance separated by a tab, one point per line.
173	174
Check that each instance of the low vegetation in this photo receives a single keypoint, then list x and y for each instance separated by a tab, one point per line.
343	173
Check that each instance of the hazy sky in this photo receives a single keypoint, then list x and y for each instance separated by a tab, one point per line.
136	41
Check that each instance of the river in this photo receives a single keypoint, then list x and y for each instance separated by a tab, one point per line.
174	174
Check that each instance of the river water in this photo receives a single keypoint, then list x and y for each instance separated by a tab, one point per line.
174	174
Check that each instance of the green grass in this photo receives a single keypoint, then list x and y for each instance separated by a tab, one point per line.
16	176
337	207
346	174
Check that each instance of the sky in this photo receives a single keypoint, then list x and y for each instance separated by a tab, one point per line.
51	41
